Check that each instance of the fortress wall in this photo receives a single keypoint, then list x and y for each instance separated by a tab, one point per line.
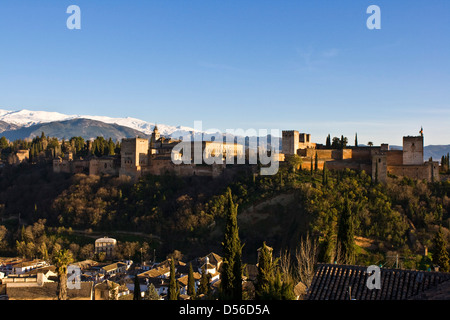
379	167
61	166
347	153
414	172
102	166
161	166
361	154
395	157
337	165
321	154
306	164
69	166
80	166
342	165
326	153
302	152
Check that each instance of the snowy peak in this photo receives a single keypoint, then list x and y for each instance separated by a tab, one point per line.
27	118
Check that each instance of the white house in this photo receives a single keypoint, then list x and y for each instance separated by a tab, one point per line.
26	266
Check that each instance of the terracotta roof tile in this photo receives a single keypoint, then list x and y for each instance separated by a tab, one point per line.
337	282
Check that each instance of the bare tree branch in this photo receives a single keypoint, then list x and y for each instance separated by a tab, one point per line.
306	256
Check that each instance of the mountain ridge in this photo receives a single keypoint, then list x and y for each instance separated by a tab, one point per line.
27	118
86	128
23	124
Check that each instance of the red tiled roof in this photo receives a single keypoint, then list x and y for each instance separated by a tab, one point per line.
335	282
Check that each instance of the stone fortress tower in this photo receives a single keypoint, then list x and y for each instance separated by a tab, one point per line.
134	157
155	135
293	141
290	142
413	150
379	161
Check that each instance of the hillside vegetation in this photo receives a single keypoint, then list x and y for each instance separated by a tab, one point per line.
170	213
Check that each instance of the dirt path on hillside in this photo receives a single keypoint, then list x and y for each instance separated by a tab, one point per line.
97	234
257	211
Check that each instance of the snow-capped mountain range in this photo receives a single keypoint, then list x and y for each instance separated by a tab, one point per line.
27	124
28	118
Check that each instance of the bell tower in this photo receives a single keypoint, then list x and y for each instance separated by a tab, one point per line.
155	134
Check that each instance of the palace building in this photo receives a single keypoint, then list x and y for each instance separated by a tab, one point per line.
159	155
378	161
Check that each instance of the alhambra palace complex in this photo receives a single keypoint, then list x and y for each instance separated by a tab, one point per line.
141	156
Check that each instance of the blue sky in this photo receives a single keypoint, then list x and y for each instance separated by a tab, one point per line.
312	66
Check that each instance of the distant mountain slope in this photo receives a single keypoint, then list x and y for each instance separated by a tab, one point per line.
26	118
86	128
22	124
436	151
4	126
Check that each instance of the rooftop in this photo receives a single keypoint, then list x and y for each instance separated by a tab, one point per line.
49	291
106	239
337	282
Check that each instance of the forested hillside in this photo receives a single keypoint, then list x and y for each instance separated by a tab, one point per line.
170	213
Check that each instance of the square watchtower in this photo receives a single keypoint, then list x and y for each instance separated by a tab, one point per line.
413	150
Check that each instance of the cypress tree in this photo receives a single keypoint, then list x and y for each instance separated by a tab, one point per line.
203	288
356	139
271	284
328	143
173	291
111	147
137	289
311	164
266	271
345	235
316	163
23	235
231	275
447	163
3	143
287	290
440	253
329	246
324	175
191	282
